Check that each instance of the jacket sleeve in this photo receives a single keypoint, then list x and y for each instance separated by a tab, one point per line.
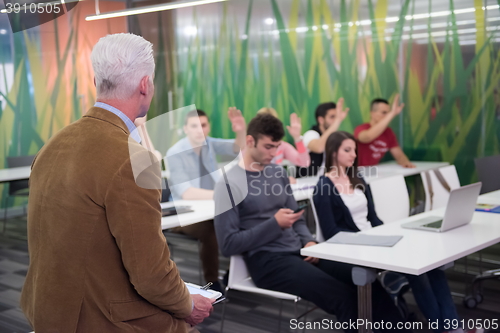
132	204
330	223
299	157
372	214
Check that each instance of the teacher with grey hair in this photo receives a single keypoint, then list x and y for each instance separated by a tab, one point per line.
98	259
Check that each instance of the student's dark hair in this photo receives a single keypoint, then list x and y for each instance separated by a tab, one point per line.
377	101
323	108
266	125
332	147
194	113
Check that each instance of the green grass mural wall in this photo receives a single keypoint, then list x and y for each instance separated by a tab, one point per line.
321	50
46	82
444	60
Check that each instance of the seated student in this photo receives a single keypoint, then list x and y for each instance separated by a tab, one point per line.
299	155
376	137
343	202
193	166
329	116
262	225
192	160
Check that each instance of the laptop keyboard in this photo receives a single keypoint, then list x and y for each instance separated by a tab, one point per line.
436	225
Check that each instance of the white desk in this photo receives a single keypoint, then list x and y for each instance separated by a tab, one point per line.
204	210
418	251
490	198
389	169
11	174
305	186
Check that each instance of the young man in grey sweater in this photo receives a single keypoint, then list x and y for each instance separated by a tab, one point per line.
255	217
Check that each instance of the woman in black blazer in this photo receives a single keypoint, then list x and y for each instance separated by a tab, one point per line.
344	202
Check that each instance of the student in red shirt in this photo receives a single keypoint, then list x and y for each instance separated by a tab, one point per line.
376	137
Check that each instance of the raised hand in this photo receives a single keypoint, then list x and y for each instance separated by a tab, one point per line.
396	107
295	127
341	112
237	120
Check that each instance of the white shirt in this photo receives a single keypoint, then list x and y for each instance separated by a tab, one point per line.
308	137
358	207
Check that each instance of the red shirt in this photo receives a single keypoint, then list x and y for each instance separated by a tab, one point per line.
371	153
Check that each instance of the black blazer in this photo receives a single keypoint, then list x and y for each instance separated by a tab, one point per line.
333	214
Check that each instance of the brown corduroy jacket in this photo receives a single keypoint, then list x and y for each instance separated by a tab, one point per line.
99	262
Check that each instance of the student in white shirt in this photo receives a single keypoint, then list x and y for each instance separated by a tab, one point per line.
329	116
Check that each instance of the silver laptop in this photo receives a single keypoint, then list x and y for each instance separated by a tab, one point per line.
459	210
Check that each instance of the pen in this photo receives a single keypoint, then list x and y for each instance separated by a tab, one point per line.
205	287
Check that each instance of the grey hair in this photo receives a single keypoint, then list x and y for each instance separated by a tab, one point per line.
120	61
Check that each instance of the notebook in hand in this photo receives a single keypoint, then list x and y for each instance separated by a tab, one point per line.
168	211
488	208
195	289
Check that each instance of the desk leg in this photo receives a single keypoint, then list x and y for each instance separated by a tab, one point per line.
365	306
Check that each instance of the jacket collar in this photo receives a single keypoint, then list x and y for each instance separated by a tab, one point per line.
109	117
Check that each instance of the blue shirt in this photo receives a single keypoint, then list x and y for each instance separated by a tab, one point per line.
129	123
184	163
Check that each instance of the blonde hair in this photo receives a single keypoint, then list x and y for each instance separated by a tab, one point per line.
270	111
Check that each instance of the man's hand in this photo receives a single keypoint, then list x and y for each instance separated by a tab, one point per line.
396	107
312	260
237	120
341	112
295	127
201	310
408	165
286	218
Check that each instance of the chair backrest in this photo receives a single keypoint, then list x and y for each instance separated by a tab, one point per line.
240	279
319	233
437	186
487	172
237	270
14	162
391	199
19	161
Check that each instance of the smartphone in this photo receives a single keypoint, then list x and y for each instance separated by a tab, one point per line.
301	207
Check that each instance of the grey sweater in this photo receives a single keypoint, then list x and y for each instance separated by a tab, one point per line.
245	204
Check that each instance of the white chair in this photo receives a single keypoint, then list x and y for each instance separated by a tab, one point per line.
240	279
319	234
437	186
391	199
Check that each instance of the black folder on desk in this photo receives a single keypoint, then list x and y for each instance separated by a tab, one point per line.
355	238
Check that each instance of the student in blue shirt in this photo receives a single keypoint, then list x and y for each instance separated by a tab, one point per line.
344	202
192	163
